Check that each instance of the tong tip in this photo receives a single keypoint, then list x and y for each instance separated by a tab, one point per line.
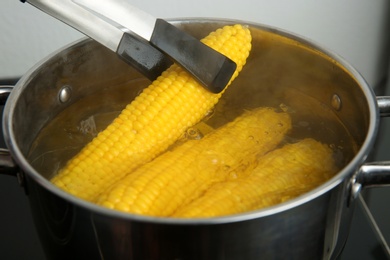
222	78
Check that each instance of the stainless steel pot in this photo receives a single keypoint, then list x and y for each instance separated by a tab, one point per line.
327	95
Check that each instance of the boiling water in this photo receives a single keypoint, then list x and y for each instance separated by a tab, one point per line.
78	124
280	73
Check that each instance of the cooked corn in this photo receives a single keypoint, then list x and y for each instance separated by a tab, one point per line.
177	177
280	175
152	122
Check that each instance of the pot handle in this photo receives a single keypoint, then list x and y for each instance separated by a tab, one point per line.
4	93
384	105
7	165
373	174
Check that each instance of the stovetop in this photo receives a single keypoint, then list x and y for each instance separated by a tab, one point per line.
368	239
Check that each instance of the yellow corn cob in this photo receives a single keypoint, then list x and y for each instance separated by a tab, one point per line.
179	176
152	122
280	175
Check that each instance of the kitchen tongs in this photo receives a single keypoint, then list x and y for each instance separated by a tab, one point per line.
150	45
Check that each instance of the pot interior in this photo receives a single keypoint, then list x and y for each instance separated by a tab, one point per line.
74	94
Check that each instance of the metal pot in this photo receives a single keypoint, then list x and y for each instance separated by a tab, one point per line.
329	98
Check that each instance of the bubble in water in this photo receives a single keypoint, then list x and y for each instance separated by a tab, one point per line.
193	134
209	114
284	107
287	109
88	126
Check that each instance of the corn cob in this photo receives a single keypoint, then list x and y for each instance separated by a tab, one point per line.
280	175
151	123
179	176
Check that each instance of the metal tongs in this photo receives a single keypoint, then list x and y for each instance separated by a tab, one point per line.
150	45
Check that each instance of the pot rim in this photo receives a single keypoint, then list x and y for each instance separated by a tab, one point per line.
343	174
